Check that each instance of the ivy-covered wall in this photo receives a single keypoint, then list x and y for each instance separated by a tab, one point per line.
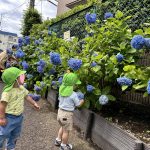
75	22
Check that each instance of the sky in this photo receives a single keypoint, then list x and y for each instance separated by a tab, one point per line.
11	13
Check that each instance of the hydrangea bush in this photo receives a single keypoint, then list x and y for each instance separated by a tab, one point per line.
106	58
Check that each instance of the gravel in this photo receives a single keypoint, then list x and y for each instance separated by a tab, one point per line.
40	130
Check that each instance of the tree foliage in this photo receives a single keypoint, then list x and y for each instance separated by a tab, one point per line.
31	17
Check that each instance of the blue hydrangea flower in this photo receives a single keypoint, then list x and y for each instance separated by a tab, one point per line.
37	88
108	15
35	96
60	80
26	40
29	76
93	64
74	64
31	95
20	40
124	81
8	65
80	95
90	88
49	32
147	42
41	63
148	87
55	58
40	41
20	44
36	42
52	71
40	69
9	51
90	18
19	54
119	57
25	65
53	83
138	42
103	99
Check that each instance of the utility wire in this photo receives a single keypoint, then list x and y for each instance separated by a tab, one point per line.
14	9
9	12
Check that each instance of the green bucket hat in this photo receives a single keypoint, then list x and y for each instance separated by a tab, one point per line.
9	77
69	80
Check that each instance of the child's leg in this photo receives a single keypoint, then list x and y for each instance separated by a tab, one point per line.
11	143
2	140
59	137
15	132
60	133
65	136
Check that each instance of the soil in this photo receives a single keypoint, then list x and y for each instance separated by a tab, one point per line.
133	119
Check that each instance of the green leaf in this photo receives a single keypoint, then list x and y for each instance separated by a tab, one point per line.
131	51
97	92
106	90
124	87
139	31
111	97
98	106
129	67
147	31
96	68
119	14
86	65
123	45
87	104
113	59
145	94
137	86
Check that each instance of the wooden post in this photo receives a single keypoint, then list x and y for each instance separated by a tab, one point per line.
89	125
138	145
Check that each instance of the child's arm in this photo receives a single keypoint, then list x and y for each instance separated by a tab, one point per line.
2	113
81	103
31	101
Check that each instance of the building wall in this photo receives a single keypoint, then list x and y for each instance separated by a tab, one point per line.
6	41
62	6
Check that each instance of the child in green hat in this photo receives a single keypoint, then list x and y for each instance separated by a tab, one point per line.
12	106
68	101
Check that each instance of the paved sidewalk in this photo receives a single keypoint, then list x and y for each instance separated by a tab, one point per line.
40	129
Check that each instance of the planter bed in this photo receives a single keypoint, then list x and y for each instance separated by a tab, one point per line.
83	120
119	133
135	97
110	137
105	134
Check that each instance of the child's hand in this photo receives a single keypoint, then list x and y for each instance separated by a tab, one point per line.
3	121
36	106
